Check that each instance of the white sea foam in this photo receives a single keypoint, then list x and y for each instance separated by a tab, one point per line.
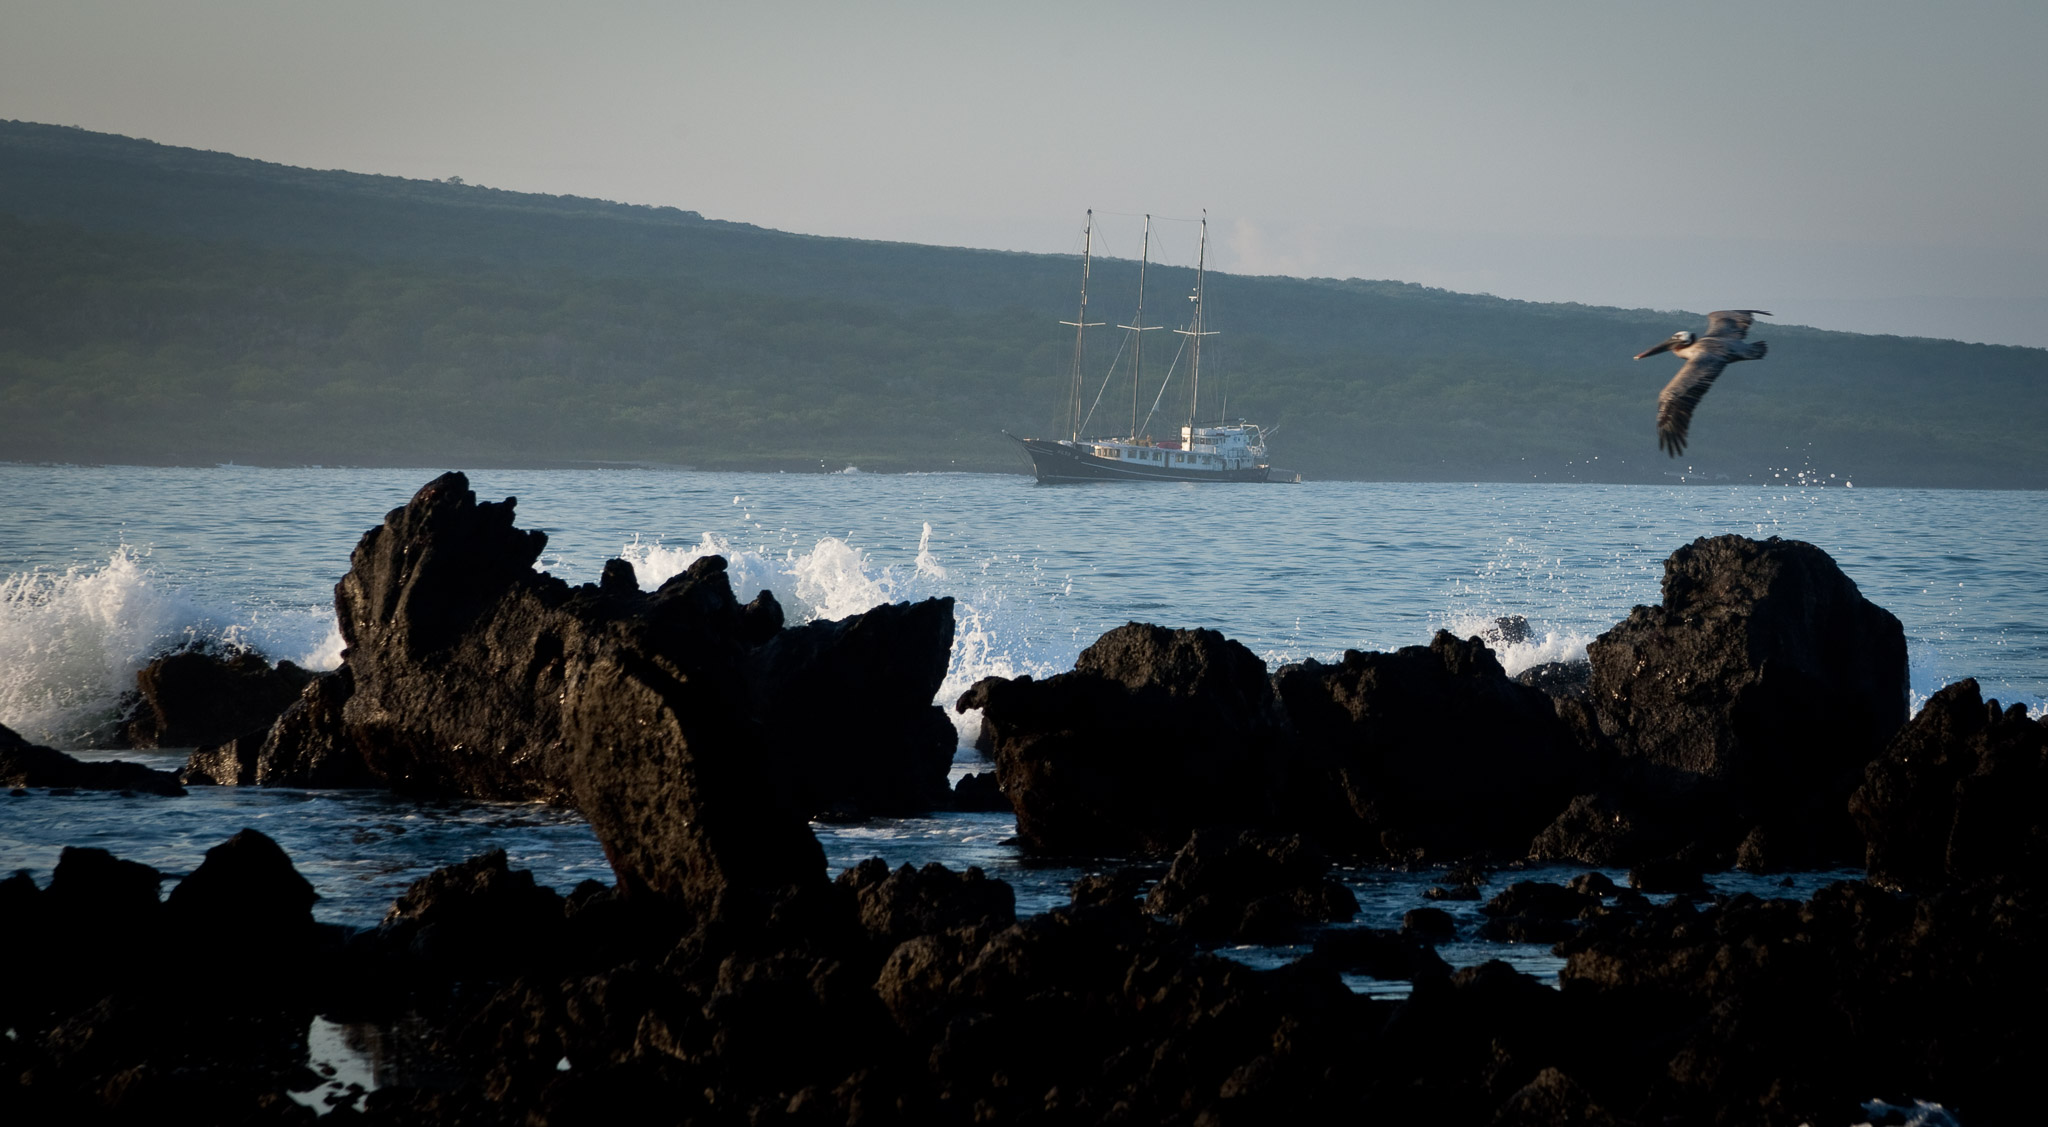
993	628
72	641
1537	649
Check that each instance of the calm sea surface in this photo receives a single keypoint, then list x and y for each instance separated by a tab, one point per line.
103	567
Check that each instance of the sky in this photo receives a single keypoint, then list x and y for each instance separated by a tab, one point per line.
1873	166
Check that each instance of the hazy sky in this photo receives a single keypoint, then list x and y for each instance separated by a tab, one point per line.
1868	165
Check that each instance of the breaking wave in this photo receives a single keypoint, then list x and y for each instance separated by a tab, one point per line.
71	642
995	633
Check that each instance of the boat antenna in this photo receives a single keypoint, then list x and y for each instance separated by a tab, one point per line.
1195	330
1081	325
1137	325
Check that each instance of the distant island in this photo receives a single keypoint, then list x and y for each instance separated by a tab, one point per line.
167	305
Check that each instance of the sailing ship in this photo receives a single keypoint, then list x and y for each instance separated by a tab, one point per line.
1226	451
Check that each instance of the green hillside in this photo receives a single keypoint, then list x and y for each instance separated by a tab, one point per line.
167	305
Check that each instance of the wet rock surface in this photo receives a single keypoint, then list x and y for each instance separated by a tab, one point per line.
193	698
723	979
1249	887
1960	795
23	764
1432	751
473	674
1753	695
1155	732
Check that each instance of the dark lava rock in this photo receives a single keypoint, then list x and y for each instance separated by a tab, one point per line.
136	1011
1429	923
896	906
1681	874
1249	887
1120	888
1754	694
193	698
480	918
1433	750
1960	795
1571	679
1592	884
230	764
1539	898
474	674
1757	1007
1507	630
980	792
1553	1099
847	706
672	777
1535	912
23	764
309	746
1154	733
246	897
1451	892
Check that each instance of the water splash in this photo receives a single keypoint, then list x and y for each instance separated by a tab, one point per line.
71	642
996	630
1518	654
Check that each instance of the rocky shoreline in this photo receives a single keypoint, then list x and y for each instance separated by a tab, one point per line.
1756	718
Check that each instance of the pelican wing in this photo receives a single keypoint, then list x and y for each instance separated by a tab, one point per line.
1732	324
1683	393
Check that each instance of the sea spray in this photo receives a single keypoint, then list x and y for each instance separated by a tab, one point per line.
71	642
995	632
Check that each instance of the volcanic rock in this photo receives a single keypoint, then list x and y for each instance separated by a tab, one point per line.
193	698
1155	733
471	673
848	707
1960	795
1433	751
480	918
980	792
1570	679
1249	887
1535	912
23	764
309	745
1754	694
900	905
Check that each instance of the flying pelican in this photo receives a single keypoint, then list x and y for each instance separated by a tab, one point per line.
1704	357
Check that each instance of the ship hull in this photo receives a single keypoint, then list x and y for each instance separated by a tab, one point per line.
1057	462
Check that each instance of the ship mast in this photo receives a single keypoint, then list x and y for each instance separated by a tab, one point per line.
1081	325
1195	329
1137	326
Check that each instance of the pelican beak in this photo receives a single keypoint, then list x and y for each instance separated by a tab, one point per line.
1665	347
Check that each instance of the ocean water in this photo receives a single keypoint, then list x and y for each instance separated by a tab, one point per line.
105	566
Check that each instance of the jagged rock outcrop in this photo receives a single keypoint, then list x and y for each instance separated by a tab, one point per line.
1753	695
850	704
896	906
309	746
1433	751
1960	795
193	698
1249	887
1155	733
469	672
23	764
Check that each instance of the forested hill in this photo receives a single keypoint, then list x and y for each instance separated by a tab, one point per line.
160	304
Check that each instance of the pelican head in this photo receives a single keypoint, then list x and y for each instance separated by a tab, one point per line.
1679	339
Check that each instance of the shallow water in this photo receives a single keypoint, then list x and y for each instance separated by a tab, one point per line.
106	566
